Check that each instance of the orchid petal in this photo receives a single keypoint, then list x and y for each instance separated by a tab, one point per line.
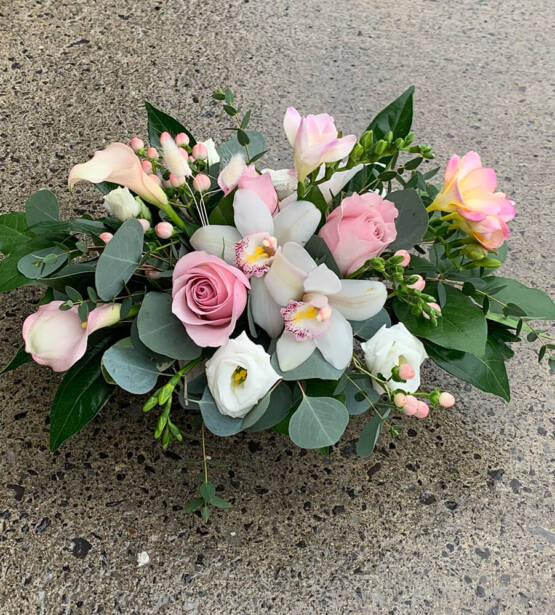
322	280
291	353
251	213
298	222
265	311
359	299
284	280
336	344
217	239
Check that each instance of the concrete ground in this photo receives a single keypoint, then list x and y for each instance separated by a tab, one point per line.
455	517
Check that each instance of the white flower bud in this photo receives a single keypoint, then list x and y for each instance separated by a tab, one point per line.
121	204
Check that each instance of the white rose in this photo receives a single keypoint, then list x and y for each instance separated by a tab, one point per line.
393	346
121	204
213	157
284	181
239	374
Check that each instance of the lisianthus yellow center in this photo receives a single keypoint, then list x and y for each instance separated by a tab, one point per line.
239	376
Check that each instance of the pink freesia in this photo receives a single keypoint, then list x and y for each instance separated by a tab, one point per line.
468	192
58	338
208	297
119	164
314	140
359	229
236	174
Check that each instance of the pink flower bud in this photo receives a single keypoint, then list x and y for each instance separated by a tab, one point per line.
182	139
419	284
422	410
411	405
106	237
164	230
147	166
191	158
137	144
406	372
201	183
400	400
145	224
176	181
165	137
405	255
152	153
200	151
155	178
153	274
446	400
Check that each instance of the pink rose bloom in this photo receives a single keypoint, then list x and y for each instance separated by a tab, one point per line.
208	297
58	338
468	192
236	174
359	229
314	140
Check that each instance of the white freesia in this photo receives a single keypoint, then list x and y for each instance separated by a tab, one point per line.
212	157
393	346
239	374
121	204
284	181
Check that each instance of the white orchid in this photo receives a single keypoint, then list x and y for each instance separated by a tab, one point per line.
315	307
253	243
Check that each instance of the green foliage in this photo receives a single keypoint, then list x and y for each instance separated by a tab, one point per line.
159	122
318	249
20	358
13	231
412	221
396	117
42	207
227	149
119	260
219	424
42	263
129	368
160	331
370	434
358	392
223	213
365	329
314	367
282	403
533	303
318	422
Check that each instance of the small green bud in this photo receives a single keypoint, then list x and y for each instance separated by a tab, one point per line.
165	393
357	152
389	136
380	147
490	263
151	402
409	139
413	279
395	374
367	139
399	143
475	252
395	259
377	263
434	397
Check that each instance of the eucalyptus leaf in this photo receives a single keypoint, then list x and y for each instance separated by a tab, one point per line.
365	329
370	434
219	424
255	146
119	259
318	422
359	392
258	411
33	266
282	402
130	369
42	207
314	367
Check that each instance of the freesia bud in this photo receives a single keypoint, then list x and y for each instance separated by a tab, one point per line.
405	255
400	400
152	153
200	151
406	372
201	183
475	252
106	237
164	230
145	224
137	144
422	410
182	139
420	284
446	400
147	166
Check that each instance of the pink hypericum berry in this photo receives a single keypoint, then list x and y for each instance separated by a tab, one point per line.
182	139
411	405
137	144
405	255
419	284
164	230
201	183
176	181
446	400
422	410
165	136
155	178
400	399
106	237
200	151
191	158
406	372
153	274
152	153
147	166
145	224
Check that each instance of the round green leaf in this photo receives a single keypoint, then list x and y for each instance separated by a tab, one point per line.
42	207
412	221
161	331
365	329
314	367
130	369
219	424
318	422
282	403
41	263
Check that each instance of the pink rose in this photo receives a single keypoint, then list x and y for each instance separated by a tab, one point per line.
58	338
314	139
359	229
208	297
468	192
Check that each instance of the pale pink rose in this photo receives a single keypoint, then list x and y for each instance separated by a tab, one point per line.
314	140
208	297
119	164
468	191
359	229
58	338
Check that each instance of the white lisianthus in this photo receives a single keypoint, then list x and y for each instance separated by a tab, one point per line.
284	181
239	374
121	204
391	347
212	157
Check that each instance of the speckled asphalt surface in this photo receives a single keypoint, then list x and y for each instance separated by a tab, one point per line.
456	516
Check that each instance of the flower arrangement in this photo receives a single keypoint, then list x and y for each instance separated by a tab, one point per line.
245	298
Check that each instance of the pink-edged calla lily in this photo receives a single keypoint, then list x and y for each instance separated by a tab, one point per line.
316	307
253	242
119	164
315	140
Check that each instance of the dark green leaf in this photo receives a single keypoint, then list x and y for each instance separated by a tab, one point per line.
318	422
42	207
129	368
533	302
75	273
159	122
37	264
13	231
219	502
73	294
246	119
368	437
92	294
441	295
20	358
193	505
223	213
208	491
318	249
242	137
414	163
412	222
87	227
396	117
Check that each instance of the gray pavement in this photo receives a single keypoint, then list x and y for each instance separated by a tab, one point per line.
455	517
